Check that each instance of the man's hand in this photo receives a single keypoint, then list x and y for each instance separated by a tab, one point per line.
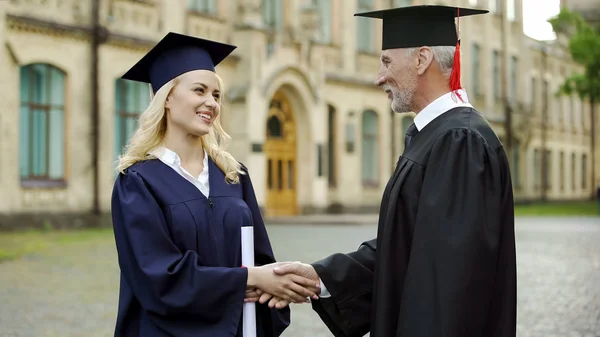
288	287
300	269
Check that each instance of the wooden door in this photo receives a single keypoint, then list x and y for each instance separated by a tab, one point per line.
280	150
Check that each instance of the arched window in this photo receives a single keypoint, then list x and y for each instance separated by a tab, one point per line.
42	124
131	99
370	148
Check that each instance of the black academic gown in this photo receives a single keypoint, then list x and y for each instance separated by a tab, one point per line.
180	255
443	263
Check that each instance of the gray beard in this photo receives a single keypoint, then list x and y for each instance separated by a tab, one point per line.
401	101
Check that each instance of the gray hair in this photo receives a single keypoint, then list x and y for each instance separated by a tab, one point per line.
444	55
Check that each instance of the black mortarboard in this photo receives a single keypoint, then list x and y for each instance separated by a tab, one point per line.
177	54
424	25
417	26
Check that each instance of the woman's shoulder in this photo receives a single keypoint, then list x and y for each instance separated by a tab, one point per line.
144	168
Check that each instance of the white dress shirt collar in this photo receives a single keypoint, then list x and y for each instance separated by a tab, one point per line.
439	106
171	159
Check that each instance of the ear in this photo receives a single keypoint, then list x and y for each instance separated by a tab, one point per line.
424	59
168	102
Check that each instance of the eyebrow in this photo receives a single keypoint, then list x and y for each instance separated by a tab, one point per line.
385	58
205	86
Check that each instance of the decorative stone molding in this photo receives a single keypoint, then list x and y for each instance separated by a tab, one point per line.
67	12
134	18
41	26
309	22
250	13
207	27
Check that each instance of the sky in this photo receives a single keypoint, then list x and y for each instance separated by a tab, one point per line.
535	18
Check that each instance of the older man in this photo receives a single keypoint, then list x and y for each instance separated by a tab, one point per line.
443	263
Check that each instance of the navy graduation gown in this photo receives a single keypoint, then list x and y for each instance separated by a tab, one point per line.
180	254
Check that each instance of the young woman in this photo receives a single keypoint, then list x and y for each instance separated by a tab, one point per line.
178	206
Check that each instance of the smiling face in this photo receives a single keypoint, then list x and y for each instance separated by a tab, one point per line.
398	78
194	103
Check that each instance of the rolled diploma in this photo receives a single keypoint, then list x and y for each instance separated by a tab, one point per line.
249	309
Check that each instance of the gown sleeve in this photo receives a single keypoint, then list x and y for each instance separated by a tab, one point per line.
349	279
274	321
454	256
165	280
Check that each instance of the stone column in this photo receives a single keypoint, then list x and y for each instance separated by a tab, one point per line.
9	120
4	84
250	108
349	37
172	15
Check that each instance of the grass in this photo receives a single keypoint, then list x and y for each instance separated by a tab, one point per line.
583	208
16	244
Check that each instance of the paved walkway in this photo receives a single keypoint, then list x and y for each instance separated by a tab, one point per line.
325	219
71	290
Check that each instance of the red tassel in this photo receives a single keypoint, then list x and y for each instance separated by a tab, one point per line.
455	75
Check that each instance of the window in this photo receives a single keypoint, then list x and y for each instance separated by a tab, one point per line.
364	27
42	125
536	169
583	172
331	136
476	69
370	151
547	167
561	171
496	79
273	13
324	8
206	6
573	181
516	166
514	78
131	99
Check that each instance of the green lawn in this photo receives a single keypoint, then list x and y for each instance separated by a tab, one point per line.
16	244
585	208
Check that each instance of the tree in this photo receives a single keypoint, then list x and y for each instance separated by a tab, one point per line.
584	47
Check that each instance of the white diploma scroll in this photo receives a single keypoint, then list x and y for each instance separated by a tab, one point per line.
249	309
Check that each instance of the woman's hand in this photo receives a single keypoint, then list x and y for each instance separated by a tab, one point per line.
257	295
291	288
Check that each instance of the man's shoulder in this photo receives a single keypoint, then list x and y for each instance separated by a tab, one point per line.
472	120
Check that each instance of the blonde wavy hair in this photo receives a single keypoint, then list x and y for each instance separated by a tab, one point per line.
152	127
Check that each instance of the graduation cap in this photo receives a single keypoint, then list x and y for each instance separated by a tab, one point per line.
424	25
177	54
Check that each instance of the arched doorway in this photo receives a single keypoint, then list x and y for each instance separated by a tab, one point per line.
280	150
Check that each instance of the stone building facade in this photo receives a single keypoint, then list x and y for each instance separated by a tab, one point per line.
302	108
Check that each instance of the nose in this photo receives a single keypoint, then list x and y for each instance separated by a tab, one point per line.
380	81
211	102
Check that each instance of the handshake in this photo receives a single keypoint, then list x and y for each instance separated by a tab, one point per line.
282	283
